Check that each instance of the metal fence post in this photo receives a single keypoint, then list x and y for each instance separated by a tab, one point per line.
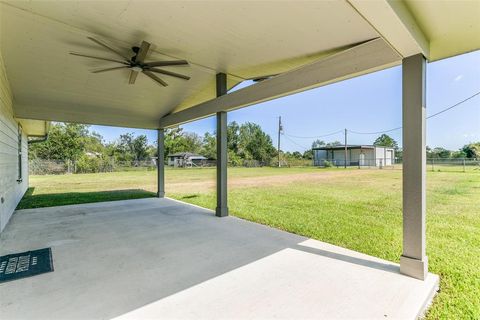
463	162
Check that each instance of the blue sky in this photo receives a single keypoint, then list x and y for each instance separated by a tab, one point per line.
368	103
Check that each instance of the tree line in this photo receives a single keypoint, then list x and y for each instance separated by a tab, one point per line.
76	143
247	141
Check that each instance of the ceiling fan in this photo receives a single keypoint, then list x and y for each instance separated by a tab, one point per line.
137	63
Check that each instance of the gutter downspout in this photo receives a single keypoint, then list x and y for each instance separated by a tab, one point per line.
42	138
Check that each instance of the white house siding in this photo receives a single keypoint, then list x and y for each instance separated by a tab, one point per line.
384	156
319	157
390	158
367	156
339	157
11	191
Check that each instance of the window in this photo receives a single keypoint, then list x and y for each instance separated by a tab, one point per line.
19	153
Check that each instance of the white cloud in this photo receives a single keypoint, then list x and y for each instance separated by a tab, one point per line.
458	78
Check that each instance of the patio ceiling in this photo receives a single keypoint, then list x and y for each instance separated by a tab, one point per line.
242	39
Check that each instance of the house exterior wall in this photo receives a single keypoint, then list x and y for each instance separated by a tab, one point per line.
371	157
384	156
11	190
319	156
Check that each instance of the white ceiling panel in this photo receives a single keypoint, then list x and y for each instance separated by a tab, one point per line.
242	39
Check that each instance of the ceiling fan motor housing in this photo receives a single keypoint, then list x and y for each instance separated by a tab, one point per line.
136	63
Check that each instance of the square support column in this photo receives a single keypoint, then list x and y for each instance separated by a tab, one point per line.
161	163
222	208
413	261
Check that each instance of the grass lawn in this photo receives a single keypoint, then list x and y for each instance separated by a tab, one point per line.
356	209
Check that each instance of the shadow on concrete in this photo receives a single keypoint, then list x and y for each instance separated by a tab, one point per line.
115	257
349	259
31	200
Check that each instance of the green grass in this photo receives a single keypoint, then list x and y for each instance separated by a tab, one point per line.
357	209
66	198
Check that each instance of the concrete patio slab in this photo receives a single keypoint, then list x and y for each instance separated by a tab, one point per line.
160	258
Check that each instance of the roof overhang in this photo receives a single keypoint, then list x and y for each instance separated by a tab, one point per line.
350	147
244	40
34	128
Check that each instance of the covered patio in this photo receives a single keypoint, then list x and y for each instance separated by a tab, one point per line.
160	258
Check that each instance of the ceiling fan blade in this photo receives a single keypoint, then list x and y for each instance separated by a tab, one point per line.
169	73
155	78
99	58
109	69
142	53
109	48
166	63
133	77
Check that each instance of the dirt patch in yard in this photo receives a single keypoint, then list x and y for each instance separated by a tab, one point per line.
279	180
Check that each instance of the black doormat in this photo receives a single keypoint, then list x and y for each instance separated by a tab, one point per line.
26	264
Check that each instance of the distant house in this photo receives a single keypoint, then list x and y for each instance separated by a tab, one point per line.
93	154
185	159
357	155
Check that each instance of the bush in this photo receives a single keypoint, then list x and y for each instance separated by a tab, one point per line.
89	164
234	160
40	166
327	164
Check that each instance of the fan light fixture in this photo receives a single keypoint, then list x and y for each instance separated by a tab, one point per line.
137	64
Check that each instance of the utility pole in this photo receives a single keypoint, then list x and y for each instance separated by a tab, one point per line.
345	164
279	132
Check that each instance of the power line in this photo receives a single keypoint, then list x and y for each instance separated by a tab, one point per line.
429	117
299	145
313	137
377	132
455	105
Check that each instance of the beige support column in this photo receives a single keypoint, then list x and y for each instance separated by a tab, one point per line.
161	163
413	261
222	208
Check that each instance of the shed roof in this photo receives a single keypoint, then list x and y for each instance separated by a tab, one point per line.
185	154
350	146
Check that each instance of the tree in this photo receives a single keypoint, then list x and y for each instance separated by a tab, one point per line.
318	144
333	144
439	152
130	148
296	155
209	146
140	147
233	132
472	150
255	144
386	141
94	143
66	141
459	154
308	154
178	141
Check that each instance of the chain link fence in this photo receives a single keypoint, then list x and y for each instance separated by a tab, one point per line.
433	164
91	165
452	164
97	165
